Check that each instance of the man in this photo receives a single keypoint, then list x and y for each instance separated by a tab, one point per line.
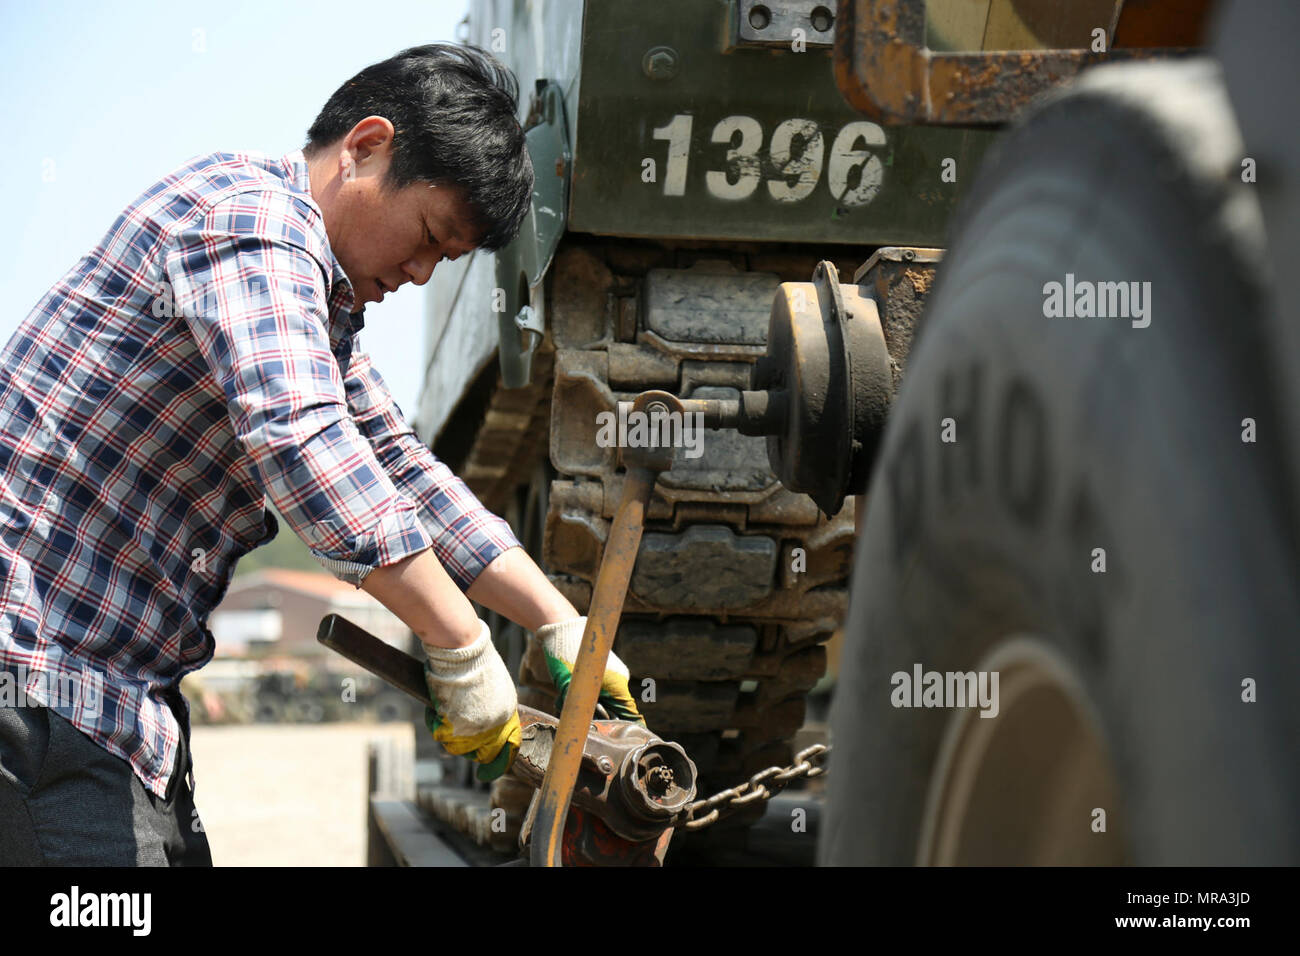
202	359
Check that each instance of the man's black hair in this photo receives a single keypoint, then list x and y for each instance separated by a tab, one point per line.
453	112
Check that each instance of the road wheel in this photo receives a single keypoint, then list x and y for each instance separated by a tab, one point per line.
1099	535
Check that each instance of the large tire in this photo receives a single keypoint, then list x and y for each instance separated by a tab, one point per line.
1123	690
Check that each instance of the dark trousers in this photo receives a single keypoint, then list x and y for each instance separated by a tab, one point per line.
65	801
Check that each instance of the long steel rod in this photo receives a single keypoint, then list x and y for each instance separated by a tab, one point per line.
589	669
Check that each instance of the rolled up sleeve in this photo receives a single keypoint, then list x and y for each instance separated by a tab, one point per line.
467	537
256	304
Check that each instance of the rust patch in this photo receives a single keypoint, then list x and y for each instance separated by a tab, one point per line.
920	279
883	68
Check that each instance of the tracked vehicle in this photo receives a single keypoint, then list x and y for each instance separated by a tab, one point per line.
705	165
689	157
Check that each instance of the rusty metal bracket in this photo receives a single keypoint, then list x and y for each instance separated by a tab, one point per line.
631	790
884	69
630	778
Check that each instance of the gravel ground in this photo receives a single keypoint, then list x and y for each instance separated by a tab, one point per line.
285	794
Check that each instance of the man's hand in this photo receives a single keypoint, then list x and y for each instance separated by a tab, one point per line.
560	642
476	713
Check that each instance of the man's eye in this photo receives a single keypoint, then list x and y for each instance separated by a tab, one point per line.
432	240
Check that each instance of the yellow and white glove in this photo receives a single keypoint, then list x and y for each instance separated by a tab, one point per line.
560	642
476	713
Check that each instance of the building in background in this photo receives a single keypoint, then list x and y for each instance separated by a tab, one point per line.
277	610
269	667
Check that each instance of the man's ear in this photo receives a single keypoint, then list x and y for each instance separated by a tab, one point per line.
369	141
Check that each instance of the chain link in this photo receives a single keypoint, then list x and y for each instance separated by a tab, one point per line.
809	762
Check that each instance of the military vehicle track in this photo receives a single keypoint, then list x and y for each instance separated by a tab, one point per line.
739	582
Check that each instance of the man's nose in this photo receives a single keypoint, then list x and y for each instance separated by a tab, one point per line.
421	269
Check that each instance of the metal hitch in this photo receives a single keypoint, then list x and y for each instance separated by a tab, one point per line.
631	786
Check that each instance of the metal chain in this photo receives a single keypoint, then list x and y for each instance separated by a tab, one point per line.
809	762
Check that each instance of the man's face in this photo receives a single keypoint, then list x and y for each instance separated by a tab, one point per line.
387	237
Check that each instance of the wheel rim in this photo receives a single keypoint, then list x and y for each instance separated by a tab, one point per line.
1021	788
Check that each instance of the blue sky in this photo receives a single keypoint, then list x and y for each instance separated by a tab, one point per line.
100	99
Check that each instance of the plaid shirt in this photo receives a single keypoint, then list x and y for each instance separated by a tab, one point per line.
199	360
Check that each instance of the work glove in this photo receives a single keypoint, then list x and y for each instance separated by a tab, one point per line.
560	642
475	712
